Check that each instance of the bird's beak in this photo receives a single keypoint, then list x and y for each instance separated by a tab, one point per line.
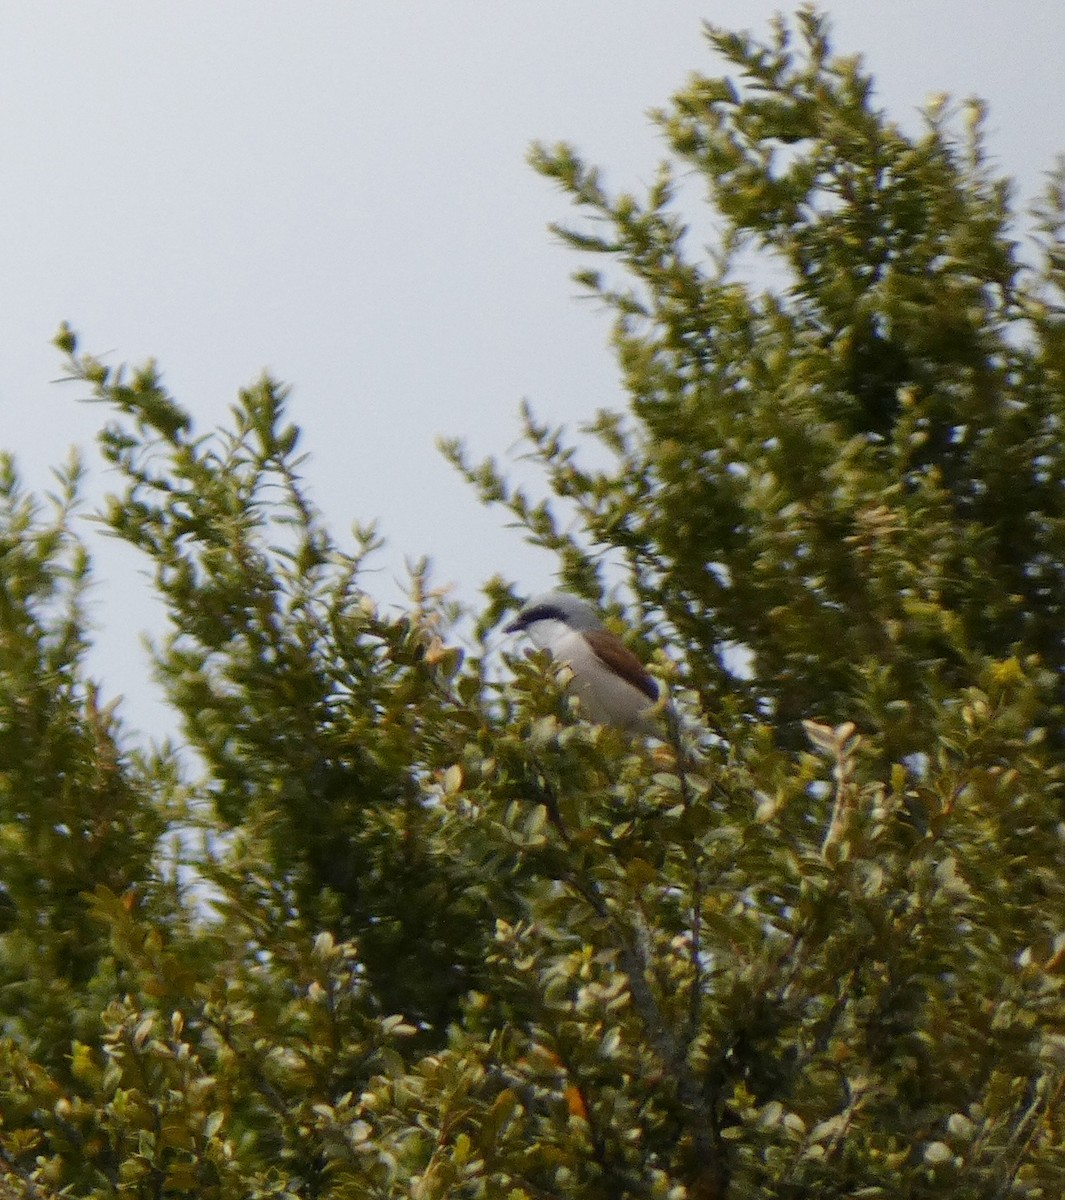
513	626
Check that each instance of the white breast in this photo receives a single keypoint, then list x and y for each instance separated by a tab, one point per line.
605	698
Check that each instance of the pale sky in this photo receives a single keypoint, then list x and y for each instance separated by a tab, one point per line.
337	191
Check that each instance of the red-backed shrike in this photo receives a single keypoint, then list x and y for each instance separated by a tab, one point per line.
609	680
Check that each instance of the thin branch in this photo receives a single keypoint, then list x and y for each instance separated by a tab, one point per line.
695	868
30	1191
1026	1130
671	1051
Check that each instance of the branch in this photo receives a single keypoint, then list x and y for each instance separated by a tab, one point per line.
671	1051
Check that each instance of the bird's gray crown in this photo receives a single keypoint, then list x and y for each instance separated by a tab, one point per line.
556	606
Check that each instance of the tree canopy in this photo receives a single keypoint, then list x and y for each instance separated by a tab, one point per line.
394	922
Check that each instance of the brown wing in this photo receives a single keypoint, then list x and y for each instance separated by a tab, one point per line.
621	661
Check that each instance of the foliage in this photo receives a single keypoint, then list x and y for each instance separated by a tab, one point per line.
391	925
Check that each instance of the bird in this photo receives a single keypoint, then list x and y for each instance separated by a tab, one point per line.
611	684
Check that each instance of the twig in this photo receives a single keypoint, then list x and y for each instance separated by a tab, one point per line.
1024	1134
694	865
30	1191
671	1052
